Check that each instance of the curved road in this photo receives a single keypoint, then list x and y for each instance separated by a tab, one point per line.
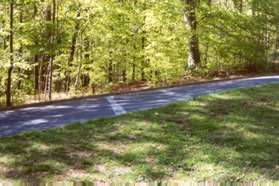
54	115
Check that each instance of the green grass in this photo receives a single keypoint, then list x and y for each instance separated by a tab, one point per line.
230	136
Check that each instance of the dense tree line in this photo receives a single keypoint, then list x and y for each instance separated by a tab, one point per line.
51	46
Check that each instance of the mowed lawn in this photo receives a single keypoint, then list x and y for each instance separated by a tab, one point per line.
229	136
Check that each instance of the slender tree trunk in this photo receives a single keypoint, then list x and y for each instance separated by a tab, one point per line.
79	59
124	75
194	58
77	82
10	69
134	60
143	58
142	73
134	71
52	42
46	58
40	79
36	75
36	58
277	43
266	40
72	53
143	44
50	67
253	8
110	69
48	87
206	56
276	51
20	51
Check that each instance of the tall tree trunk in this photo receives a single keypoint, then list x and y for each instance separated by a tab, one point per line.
20	52
253	8
110	69
134	61
48	88
53	37
143	57
36	75
72	53
48	80
206	56
10	69
277	44
134	71
194	58
266	40
124	75
77	82
40	79
143	44
46	57
50	68
80	60
36	60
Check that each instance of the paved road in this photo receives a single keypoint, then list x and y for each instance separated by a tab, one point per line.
49	116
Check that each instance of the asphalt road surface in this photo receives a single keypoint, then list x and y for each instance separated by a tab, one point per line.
58	114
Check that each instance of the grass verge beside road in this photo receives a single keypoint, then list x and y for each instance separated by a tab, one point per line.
229	136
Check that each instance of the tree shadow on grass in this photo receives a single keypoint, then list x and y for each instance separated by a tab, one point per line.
229	136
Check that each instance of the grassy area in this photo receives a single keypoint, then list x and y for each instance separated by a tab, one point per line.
230	136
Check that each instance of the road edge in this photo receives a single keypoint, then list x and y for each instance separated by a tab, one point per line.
129	92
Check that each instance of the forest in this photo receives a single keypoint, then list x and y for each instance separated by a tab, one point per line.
87	47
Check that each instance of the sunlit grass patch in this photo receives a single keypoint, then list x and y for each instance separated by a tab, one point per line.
229	136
